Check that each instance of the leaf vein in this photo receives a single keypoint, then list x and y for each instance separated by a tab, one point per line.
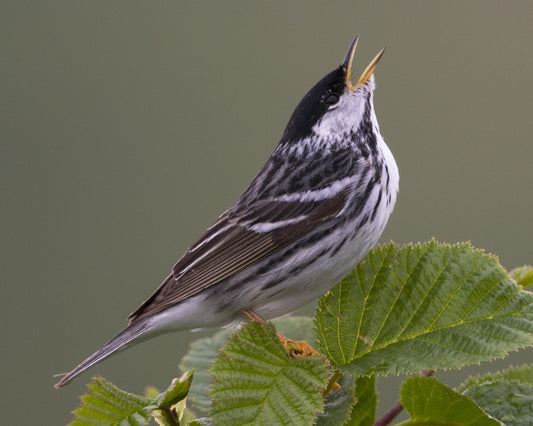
358	334
485	295
338	324
397	297
420	336
457	288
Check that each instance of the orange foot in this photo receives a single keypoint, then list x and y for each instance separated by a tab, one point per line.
300	349
296	349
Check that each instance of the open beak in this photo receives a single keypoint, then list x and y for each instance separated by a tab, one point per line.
348	61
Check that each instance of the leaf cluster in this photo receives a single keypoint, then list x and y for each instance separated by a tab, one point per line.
402	310
105	404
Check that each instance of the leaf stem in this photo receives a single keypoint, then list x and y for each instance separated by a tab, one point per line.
168	417
332	384
397	407
390	414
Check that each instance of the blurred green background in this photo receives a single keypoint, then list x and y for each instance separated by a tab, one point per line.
127	127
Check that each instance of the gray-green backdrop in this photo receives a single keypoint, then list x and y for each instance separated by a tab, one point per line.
128	126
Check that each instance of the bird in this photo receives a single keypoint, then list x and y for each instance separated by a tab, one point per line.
313	212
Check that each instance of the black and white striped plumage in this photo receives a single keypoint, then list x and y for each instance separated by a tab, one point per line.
316	208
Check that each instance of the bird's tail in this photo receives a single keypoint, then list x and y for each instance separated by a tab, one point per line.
124	339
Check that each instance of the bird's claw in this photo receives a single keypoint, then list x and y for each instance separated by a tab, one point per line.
301	349
297	349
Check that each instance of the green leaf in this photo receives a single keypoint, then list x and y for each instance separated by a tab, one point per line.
337	408
512	403
203	352
106	404
429	402
200	357
170	404
202	421
421	307
364	411
255	382
506	395
349	406
522	374
176	392
523	275
187	415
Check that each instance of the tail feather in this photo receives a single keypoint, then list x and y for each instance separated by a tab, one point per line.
120	341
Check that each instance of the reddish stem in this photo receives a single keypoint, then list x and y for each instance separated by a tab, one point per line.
397	407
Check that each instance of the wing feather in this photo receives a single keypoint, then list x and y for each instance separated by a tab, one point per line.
235	241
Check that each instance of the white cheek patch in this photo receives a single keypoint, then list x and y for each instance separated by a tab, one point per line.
345	117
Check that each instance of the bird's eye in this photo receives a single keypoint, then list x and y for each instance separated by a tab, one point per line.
331	99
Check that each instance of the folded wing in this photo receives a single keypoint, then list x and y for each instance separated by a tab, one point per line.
236	240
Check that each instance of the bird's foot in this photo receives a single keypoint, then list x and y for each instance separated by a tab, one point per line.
296	348
301	349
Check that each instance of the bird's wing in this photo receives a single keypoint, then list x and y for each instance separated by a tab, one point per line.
237	240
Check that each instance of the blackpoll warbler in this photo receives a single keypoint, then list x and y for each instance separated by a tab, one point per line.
315	209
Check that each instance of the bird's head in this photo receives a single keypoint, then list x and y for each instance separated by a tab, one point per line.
334	105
